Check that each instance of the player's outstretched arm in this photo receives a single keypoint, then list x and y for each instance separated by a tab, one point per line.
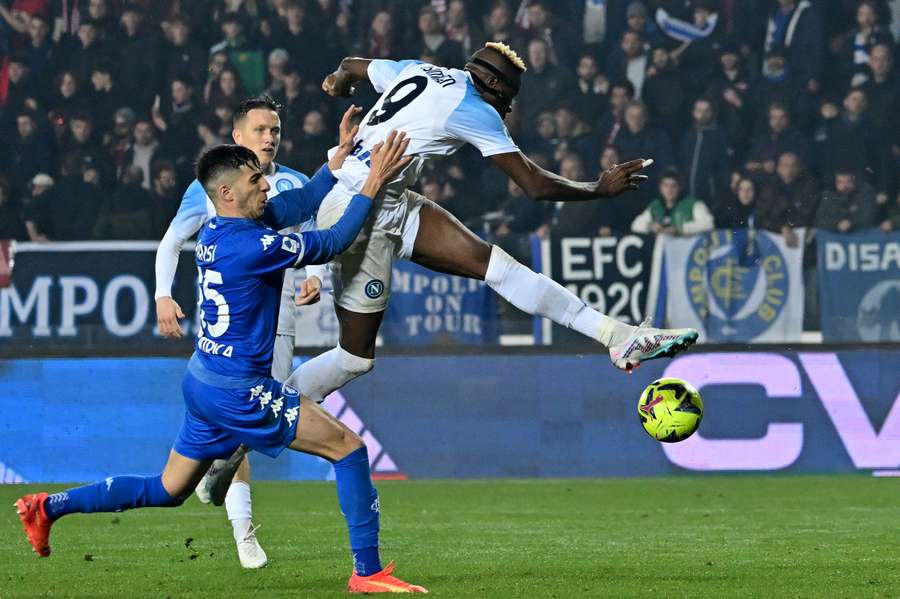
541	184
387	161
190	217
340	83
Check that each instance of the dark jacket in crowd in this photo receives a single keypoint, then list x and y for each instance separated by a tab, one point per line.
792	205
703	160
859	208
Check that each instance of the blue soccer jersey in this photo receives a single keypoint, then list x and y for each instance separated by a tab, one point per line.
241	263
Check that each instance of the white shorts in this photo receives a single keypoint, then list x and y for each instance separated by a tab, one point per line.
362	274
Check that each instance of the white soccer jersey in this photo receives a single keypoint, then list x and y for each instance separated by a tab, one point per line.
439	109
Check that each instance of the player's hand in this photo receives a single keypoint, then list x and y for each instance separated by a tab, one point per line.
346	138
168	313
387	160
338	84
621	177
310	291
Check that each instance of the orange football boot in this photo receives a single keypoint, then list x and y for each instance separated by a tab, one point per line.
382	582
35	521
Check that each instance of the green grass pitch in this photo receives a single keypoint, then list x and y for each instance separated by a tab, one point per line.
691	537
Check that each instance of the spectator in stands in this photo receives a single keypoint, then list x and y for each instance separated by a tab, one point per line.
639	139
227	89
278	60
731	92
541	23
164	197
243	53
637	21
32	151
738	210
11	224
851	140
36	208
314	142
98	13
849	205
574	137
118	141
461	29
697	55
138	51
703	156
295	33
576	219
665	93
797	26
612	123
83	56
143	150
182	56
545	140
382	38
518	215
614	215
105	97
543	84
68	99
673	213
590	96
82	144
125	214
39	51
881	88
779	138
22	92
177	120
780	85
853	48
499	26
630	62
790	200
891	221
433	41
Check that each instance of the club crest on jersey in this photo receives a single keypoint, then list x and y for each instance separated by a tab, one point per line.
284	184
289	244
374	288
267	241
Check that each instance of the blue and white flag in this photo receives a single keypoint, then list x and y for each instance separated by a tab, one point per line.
735	286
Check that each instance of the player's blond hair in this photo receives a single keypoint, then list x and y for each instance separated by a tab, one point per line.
508	53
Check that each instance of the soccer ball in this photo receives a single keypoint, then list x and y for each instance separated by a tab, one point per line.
670	410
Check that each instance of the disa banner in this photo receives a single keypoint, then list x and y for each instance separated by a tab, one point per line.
735	286
859	286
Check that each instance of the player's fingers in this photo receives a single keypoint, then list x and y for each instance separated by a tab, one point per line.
637	179
376	151
632	166
353	132
400	145
178	312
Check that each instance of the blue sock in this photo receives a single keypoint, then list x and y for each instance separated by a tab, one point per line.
111	495
359	504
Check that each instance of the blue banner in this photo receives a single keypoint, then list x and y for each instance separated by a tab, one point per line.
859	286
488	415
430	308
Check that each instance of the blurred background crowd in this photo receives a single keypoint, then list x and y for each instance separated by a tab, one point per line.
758	113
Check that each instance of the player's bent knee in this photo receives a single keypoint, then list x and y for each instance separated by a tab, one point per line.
355	365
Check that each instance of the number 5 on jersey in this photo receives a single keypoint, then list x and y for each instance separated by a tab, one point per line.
217	329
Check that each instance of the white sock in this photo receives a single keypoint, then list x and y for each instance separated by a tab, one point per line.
536	294
326	372
239	508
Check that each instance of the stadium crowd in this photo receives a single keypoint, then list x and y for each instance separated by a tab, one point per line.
760	113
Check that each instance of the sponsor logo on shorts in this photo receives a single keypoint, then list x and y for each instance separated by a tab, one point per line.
284	184
374	288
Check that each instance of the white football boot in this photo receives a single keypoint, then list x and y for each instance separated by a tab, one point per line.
203	486
250	553
648	343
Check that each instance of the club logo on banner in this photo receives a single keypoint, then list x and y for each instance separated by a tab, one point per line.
736	285
610	274
428	308
859	286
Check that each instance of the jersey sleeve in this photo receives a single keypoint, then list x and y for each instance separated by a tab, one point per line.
191	215
264	251
476	122
382	72
297	205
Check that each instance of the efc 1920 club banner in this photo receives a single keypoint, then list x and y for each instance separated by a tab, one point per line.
735	286
430	308
611	274
859	286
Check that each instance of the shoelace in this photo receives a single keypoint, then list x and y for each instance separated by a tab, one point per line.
251	534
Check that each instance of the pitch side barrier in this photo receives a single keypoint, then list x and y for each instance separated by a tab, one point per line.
521	412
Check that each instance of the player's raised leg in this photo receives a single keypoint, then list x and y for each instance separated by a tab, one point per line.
39	511
446	245
321	434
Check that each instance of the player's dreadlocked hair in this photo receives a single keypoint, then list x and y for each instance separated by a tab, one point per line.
253	103
218	160
507	53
